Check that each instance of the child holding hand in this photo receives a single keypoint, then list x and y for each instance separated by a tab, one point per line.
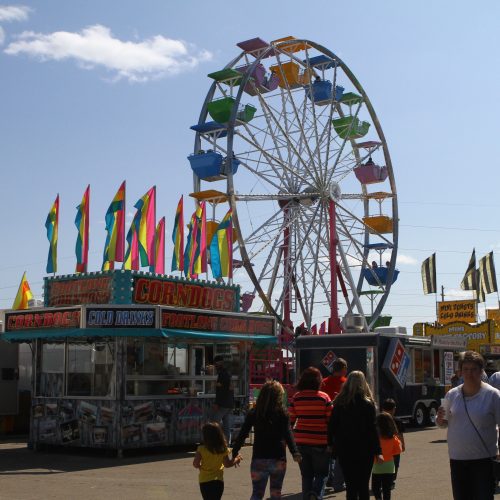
389	406
383	470
211	457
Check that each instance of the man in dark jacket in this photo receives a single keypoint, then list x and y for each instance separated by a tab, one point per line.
222	408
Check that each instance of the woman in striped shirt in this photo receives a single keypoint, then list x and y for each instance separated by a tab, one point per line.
309	412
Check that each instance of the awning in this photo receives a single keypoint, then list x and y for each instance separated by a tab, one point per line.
191	334
168	333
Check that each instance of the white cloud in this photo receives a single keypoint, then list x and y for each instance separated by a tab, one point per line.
14	13
458	293
95	46
406	259
2	36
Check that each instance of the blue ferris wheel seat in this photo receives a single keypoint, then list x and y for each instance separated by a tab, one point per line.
320	92
211	166
378	276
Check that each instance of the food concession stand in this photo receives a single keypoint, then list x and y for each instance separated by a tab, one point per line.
124	359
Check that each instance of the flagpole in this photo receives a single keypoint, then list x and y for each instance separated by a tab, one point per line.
436	295
181	226
154	224
124	217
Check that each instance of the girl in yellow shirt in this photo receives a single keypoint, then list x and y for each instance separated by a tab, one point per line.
211	457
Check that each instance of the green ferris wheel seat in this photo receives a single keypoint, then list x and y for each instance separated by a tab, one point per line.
350	127
220	110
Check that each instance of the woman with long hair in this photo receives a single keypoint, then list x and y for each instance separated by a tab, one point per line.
271	425
310	410
352	435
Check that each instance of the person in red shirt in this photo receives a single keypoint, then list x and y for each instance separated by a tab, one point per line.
310	411
332	386
333	383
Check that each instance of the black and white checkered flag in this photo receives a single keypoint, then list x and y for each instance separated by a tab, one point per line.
469	281
429	275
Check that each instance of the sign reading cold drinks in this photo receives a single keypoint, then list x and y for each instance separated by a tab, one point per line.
120	317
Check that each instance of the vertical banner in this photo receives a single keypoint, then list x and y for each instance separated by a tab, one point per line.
448	367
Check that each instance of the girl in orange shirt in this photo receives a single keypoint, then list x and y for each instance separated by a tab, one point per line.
383	470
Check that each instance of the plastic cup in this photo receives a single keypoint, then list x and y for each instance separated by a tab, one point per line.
445	404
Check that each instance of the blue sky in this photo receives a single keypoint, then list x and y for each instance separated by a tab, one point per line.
98	92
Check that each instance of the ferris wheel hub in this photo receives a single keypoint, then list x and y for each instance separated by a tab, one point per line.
335	191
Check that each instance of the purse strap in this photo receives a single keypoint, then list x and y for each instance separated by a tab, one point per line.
472	423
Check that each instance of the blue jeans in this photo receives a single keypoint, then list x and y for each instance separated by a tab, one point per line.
314	469
336	475
222	416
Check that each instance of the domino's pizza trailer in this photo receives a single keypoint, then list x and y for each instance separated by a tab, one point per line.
414	371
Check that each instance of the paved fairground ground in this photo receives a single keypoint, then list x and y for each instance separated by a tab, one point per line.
168	474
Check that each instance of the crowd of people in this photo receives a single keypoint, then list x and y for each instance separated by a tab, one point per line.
338	438
331	429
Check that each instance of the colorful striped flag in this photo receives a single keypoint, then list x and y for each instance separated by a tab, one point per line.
159	266
24	294
82	240
141	235
147	227
52	226
131	260
195	255
221	248
114	248
178	238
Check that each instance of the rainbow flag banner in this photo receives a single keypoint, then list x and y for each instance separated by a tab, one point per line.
114	248
221	248
147	227
178	238
141	235
159	266
82	240
131	260
195	254
24	294
52	226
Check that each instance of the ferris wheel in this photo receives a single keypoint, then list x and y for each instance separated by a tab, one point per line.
289	138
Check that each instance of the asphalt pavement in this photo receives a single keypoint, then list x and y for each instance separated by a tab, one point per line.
168	474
